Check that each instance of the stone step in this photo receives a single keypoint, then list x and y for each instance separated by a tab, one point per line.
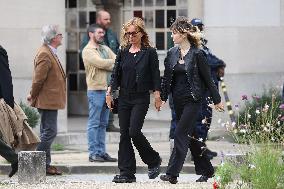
80	138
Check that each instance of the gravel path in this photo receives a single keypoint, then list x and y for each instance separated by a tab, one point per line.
101	181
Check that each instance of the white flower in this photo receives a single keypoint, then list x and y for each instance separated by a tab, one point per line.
257	133
211	106
233	124
219	120
268	124
200	139
272	139
243	131
266	106
249	116
266	129
218	178
257	112
251	166
278	122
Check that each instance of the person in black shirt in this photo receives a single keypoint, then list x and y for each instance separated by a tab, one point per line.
135	73
6	92
186	76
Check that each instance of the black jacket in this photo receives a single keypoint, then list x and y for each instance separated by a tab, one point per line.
6	86
147	70
198	74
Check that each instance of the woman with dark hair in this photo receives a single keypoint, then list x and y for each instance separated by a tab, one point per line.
135	73
186	76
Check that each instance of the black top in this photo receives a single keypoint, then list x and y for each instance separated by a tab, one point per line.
6	86
128	76
198	74
181	88
146	67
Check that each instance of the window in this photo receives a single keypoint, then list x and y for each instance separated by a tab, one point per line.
160	40
137	14
171	2
148	3
72	3
160	2
160	20
82	19
149	19
79	14
171	17
92	17
137	3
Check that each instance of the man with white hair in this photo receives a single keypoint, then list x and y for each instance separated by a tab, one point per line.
48	91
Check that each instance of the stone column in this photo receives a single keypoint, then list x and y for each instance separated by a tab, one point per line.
32	167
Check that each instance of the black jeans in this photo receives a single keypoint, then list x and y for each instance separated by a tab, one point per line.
187	113
132	109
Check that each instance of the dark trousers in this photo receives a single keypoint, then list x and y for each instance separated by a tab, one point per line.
132	109
48	131
173	121
7	152
187	113
205	113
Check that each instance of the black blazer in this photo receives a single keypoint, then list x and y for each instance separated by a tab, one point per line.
147	69
198	74
6	86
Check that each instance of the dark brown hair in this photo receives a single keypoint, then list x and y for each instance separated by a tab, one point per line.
182	25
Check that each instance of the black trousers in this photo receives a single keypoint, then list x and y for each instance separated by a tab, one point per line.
187	113
132	109
7	152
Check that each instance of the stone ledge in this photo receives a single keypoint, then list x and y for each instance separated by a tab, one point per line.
87	169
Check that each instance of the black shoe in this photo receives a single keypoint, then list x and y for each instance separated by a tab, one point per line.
112	128
169	178
123	179
210	154
96	159
107	158
203	178
14	167
155	171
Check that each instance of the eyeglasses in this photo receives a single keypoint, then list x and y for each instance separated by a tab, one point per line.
133	34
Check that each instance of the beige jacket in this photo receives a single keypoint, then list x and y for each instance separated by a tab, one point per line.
48	89
96	67
14	128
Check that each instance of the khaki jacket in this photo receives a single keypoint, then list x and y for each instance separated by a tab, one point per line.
14	128
96	67
48	89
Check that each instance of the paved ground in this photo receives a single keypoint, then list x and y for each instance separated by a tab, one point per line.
103	181
80	173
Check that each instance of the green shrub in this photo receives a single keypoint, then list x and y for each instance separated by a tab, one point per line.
224	174
31	113
263	168
57	147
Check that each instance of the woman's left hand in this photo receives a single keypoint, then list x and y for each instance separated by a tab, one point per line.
219	107
158	101
158	104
